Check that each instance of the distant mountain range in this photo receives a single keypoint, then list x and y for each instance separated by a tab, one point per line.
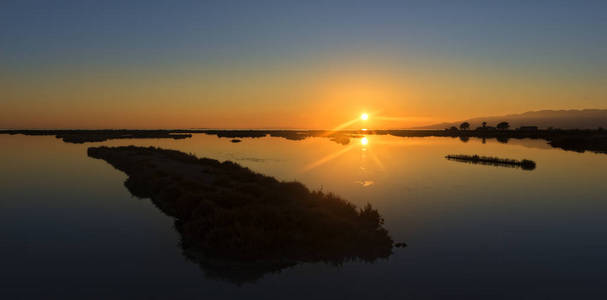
565	119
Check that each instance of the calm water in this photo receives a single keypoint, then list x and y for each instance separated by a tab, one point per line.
69	228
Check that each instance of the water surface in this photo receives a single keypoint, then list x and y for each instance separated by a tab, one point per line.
69	227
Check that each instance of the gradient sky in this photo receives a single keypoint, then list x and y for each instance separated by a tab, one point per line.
294	64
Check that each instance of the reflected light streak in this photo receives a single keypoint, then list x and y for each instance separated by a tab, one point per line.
363	117
341	126
376	160
326	159
364	142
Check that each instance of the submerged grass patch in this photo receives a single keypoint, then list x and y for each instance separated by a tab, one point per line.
524	164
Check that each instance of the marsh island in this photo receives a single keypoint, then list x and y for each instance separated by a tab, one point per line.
229	214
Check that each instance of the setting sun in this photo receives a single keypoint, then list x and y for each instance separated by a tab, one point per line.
364	117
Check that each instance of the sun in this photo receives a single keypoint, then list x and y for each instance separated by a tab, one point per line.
364	117
364	141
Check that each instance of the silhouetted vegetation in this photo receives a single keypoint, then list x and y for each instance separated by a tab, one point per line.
340	139
239	225
581	142
503	126
464	126
530	128
485	128
85	136
525	164
576	140
502	139
569	119
400	245
236	133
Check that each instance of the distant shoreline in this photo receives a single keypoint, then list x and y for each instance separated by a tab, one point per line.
579	140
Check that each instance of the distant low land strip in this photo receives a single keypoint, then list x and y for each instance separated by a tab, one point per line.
594	140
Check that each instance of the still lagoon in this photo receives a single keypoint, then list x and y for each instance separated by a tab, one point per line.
70	229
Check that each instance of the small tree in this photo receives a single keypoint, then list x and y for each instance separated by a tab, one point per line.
503	126
484	124
464	126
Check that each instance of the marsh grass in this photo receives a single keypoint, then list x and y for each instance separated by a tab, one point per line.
524	164
229	213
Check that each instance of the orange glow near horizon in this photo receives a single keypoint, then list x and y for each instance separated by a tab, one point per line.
290	98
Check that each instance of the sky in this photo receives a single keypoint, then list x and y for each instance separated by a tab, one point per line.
295	64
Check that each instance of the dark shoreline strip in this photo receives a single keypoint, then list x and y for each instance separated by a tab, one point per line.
567	139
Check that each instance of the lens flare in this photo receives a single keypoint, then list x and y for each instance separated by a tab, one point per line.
364	141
